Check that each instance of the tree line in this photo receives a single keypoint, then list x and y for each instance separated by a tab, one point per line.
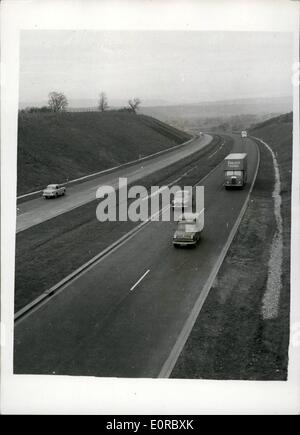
58	102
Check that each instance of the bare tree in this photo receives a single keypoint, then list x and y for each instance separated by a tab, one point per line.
57	101
103	105
134	104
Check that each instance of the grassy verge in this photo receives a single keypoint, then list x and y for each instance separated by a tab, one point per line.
230	338
47	252
54	147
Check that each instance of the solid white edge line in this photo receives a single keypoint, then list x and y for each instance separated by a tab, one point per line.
141	278
95	174
209	157
20	229
219	149
57	288
170	362
179	178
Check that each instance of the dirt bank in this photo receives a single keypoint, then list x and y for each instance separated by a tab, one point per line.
231	338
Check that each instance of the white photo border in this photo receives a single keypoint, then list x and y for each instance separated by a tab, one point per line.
28	394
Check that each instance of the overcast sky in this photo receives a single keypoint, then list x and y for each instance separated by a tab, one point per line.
175	67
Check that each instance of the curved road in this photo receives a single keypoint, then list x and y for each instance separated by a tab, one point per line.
123	316
38	210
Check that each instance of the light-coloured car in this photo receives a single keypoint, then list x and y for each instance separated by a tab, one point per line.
182	199
54	190
189	228
244	133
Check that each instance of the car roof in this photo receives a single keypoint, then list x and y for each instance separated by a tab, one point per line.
188	216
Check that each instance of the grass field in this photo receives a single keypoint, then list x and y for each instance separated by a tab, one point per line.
231	339
53	148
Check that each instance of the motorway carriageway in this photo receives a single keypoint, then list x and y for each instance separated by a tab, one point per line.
128	315
38	210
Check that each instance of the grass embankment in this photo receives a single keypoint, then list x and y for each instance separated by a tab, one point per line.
47	252
55	147
231	339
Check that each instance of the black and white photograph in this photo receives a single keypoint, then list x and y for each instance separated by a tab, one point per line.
150	206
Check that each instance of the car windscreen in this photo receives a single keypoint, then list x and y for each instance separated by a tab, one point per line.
187	227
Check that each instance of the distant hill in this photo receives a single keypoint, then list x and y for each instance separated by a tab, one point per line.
216	109
286	118
55	147
277	131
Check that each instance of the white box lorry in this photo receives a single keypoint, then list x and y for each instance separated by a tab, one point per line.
235	170
189	228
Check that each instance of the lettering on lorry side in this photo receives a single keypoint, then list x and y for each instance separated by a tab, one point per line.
233	164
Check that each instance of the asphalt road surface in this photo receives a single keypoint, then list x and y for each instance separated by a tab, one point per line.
38	210
123	316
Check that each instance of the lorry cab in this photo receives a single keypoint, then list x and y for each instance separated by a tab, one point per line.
235	170
189	228
233	178
244	133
